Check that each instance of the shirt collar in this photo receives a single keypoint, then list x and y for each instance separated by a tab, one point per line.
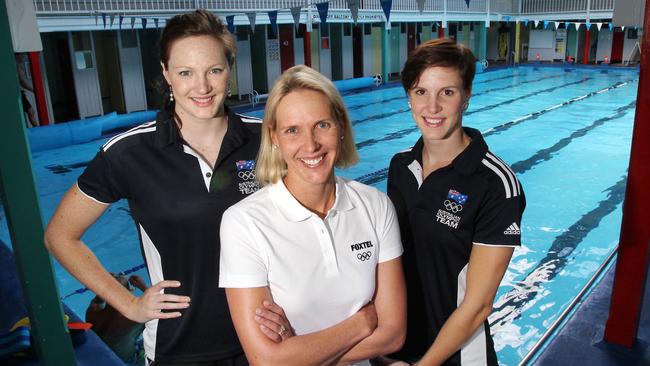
168	133
468	160
293	211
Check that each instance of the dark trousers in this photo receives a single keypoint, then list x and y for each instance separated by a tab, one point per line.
239	360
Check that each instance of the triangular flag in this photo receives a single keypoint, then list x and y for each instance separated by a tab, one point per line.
295	13
525	22
557	25
120	19
421	5
588	25
144	23
322	11
112	19
251	20
132	22
610	26
545	24
230	20
386	5
353	5
536	22
155	22
96	19
622	28
273	17
104	20
599	25
577	25
467	2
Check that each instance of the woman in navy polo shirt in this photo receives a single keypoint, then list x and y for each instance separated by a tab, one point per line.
459	208
179	174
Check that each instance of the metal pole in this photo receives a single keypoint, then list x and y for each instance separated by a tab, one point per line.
634	245
18	191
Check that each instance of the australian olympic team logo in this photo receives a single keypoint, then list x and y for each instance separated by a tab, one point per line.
246	172
453	205
364	256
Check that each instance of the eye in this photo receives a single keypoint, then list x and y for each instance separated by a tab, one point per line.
419	91
291	130
448	92
216	70
325	125
184	73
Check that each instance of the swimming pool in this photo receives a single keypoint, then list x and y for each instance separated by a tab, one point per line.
566	133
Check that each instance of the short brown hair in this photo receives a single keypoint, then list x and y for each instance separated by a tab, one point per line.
270	166
439	52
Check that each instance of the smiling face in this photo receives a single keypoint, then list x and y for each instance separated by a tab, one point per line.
437	103
308	138
198	73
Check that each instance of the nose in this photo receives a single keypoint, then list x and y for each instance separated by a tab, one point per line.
433	103
311	141
202	84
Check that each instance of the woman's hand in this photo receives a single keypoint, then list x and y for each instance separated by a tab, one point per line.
153	301
273	322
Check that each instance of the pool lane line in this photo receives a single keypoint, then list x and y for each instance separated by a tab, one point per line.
387	100
84	289
557	256
381	174
546	154
406	131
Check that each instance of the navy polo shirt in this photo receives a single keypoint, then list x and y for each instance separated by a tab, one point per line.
476	199
177	201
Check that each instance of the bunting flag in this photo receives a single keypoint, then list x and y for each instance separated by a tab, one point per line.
588	25
598	25
386	5
295	13
536	22
155	22
132	23
577	25
230	20
251	19
144	23
96	19
525	22
610	26
353	5
545	24
467	2
323	8
273	17
622	28
421	5
557	25
120	19
104	20
112	19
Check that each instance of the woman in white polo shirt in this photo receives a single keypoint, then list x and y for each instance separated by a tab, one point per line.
325	249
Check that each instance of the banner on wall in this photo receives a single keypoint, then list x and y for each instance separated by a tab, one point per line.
251	19
353	5
386	5
295	13
230	20
273	17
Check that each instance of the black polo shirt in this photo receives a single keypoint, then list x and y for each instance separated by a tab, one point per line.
177	201
477	199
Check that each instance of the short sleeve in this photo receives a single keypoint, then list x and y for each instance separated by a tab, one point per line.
241	263
390	243
499	220
102	180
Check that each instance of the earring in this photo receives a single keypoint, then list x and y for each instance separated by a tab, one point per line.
465	105
409	104
342	137
229	90
274	146
171	95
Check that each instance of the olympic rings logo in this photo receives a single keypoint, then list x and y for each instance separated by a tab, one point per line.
453	206
364	256
247	174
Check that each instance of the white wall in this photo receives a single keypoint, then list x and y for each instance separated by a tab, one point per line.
298	49
325	57
604	47
543	41
403	49
492	42
629	44
244	68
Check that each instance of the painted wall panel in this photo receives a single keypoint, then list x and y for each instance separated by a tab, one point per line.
604	44
347	53
325	57
315	49
244	67
629	45
369	54
403	49
273	67
84	70
298	48
336	50
376	47
135	97
492	42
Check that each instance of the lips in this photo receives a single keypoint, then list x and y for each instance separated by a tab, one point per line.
203	101
433	121
312	162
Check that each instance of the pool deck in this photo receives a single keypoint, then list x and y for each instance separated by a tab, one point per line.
580	341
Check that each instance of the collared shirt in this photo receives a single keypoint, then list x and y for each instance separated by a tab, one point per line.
476	200
177	201
321	271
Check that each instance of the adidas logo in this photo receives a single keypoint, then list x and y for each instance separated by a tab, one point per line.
513	229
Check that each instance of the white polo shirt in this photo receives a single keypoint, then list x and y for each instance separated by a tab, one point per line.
321	271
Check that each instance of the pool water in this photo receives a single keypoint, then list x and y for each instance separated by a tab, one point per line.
566	133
